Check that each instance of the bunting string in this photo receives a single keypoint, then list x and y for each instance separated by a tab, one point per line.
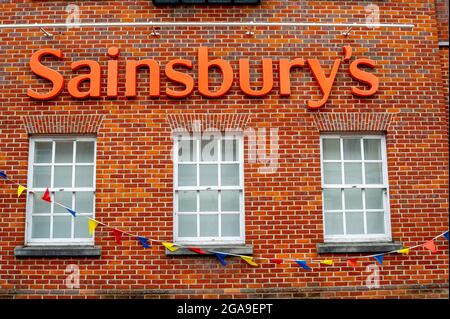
303	263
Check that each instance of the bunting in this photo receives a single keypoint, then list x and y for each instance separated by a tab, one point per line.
144	242
46	196
20	190
118	236
379	258
169	246
221	258
303	264
249	260
92	224
430	246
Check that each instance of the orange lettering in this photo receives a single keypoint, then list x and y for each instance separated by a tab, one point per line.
285	74
363	77
131	74
179	77
40	70
325	83
94	78
203	74
113	73
244	77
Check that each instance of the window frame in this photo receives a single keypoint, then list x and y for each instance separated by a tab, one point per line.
197	136
387	236
29	241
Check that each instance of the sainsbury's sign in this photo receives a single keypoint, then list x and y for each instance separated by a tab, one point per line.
368	82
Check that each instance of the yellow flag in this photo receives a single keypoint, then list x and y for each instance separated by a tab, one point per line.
328	262
92	225
169	246
404	251
20	190
249	260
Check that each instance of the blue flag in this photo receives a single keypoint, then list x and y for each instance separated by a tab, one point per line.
446	235
221	258
144	242
302	263
72	212
3	175
379	258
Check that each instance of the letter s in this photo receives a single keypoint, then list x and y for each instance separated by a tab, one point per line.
40	70
363	77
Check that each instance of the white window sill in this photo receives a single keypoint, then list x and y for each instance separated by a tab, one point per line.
57	251
238	249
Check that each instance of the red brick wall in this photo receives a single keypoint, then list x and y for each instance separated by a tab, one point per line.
284	209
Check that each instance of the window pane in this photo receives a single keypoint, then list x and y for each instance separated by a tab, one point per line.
352	149
63	152
84	176
230	225
208	175
331	149
40	206
64	198
187	175
332	173
81	229
353	198
332	199
230	174
209	201
333	224
62	227
372	149
374	173
43	152
209	225
85	152
63	176
209	149
187	150
40	227
187	225
84	202
374	198
230	201
353	173
375	222
354	222
187	201
230	150
41	176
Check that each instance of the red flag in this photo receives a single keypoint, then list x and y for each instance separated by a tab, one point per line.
118	235
353	262
430	245
276	260
198	250
46	196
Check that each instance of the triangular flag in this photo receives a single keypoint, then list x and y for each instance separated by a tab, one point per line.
446	235
46	196
169	246
276	260
327	262
379	258
249	260
353	262
404	251
221	258
20	190
302	263
92	225
430	246
74	213
198	250
144	242
118	235
3	175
